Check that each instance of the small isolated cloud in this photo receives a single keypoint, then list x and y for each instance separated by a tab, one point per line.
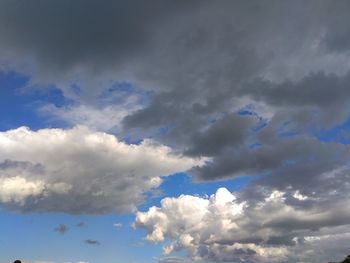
117	225
62	229
173	260
36	261
91	242
81	224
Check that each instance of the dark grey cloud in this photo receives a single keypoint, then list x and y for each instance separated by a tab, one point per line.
90	30
223	133
302	154
237	56
80	224
92	242
61	39
62	229
247	83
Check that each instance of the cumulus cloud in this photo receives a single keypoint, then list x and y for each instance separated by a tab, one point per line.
41	170
91	242
62	229
223	228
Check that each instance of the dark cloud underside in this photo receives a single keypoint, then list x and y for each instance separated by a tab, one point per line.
250	85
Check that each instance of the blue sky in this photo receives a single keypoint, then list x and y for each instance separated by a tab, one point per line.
170	132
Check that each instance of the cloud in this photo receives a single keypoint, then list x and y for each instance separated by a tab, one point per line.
83	57
273	155
41	170
222	228
105	116
117	225
36	261
91	242
261	63
62	229
80	224
172	260
248	84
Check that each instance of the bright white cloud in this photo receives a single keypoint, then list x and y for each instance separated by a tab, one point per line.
80	171
222	229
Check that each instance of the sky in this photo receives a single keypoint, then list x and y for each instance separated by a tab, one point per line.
174	131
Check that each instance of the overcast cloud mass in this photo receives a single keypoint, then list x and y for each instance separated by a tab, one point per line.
217	89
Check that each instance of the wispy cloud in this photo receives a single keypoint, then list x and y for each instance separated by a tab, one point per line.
80	224
62	229
117	225
91	242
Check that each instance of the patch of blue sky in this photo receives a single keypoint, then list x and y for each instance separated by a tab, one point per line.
255	146
130	140
33	232
164	130
259	126
161	131
19	105
117	93
244	112
75	89
249	111
289	162
339	133
285	130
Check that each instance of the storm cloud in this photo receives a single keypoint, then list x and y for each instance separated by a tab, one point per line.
251	87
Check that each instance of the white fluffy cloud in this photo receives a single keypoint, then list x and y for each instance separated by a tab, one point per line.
221	228
80	171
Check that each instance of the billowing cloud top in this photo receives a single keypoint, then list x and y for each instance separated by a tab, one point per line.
222	229
79	170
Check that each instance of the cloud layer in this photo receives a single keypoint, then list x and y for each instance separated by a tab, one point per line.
45	170
258	88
